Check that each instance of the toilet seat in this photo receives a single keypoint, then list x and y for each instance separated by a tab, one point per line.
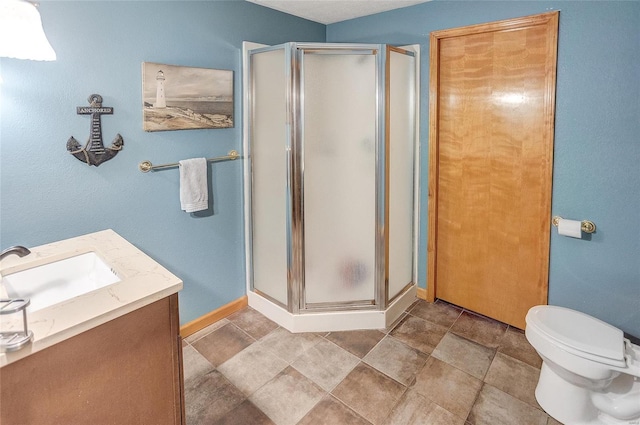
578	334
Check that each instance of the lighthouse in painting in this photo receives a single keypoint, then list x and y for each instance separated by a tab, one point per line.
160	100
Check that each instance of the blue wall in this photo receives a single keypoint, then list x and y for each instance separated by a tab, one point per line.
47	195
597	138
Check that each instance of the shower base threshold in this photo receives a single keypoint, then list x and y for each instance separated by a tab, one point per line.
332	321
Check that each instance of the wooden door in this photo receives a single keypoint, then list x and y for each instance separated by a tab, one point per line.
492	104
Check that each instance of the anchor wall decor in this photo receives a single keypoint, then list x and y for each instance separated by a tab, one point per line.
94	152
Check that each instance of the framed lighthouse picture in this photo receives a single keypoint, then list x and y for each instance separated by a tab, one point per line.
185	98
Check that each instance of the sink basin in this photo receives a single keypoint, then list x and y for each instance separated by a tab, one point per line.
59	281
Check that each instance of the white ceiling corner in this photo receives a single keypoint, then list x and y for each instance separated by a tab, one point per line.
332	11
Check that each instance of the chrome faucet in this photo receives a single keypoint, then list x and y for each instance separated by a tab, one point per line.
20	251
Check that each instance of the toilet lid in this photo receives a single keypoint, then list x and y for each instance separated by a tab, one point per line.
578	331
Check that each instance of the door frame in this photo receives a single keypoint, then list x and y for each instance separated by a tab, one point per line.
549	19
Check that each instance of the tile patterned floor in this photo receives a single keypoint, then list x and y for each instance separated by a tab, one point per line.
439	365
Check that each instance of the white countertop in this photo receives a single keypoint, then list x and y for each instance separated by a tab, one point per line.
142	282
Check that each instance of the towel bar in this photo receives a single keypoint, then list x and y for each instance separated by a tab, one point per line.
146	166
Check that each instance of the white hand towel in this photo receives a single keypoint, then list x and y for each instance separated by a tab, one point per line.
194	193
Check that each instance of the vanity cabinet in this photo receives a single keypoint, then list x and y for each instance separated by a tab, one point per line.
125	371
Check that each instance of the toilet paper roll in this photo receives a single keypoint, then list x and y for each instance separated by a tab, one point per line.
571	228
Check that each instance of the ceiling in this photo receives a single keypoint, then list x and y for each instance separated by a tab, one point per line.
331	11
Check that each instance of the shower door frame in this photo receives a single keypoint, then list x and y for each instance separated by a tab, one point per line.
297	118
412	51
294	146
249	174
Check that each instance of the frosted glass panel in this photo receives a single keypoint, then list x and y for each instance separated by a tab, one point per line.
339	177
401	119
268	161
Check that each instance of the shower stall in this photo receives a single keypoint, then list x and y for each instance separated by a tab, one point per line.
330	183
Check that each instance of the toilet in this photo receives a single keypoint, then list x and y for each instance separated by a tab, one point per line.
590	373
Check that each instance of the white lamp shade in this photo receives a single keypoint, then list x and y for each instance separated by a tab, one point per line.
21	33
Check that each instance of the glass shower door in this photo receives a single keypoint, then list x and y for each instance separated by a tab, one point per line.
339	142
401	133
269	173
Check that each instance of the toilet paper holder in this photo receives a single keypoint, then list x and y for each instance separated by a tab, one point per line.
586	225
